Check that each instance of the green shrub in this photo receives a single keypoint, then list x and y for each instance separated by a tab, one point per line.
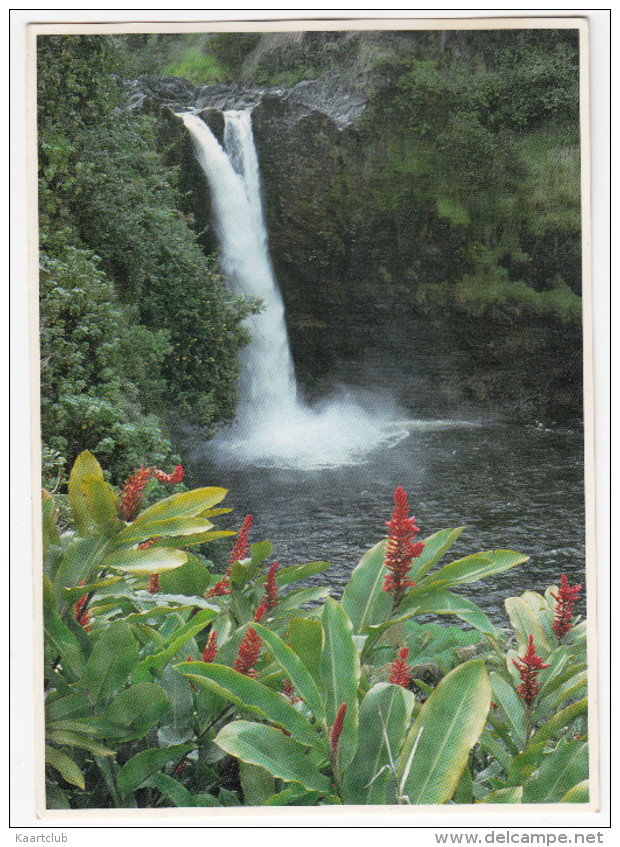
168	686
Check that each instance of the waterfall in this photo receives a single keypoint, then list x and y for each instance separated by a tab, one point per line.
273	427
268	373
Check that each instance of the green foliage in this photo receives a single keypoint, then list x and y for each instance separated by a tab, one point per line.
138	715
197	67
480	139
117	348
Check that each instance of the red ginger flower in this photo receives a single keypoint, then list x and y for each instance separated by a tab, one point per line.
241	547
247	656
180	767
400	672
336	730
289	690
154	587
219	589
400	550
81	615
529	667
210	651
564	602
260	613
170	478
132	490
270	597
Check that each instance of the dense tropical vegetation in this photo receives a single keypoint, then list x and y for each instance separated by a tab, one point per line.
173	679
170	685
117	349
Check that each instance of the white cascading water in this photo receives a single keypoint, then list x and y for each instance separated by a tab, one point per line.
273	426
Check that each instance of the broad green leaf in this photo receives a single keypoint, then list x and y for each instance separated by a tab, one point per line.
434	548
172	790
393	705
186	505
295	795
65	766
80	590
579	793
55	797
560	770
472	568
141	766
174	642
559	720
162	529
61	639
270	749
179	722
524	764
525	622
151	560
191	579
101	502
257	784
340	673
295	670
284	576
200	538
364	600
464	791
511	707
114	657
514	794
84	465
555	675
77	563
253	695
75	739
49	522
72	706
497	750
306	640
441	602
575	686
294	599
138	708
447	727
228	798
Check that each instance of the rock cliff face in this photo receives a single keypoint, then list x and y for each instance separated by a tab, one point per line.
348	260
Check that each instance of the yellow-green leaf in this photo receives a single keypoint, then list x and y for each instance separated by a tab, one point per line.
447	727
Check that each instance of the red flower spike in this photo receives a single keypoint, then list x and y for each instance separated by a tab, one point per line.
180	767
154	587
336	730
170	478
241	547
401	550
270	597
85	620
529	667
288	689
210	651
247	656
400	672
219	589
564	602
260	613
132	492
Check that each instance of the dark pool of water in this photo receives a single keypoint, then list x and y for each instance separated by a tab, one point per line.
511	486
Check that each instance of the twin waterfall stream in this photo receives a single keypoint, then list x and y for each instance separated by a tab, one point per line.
273	427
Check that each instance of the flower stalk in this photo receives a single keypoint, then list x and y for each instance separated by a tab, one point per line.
401	550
